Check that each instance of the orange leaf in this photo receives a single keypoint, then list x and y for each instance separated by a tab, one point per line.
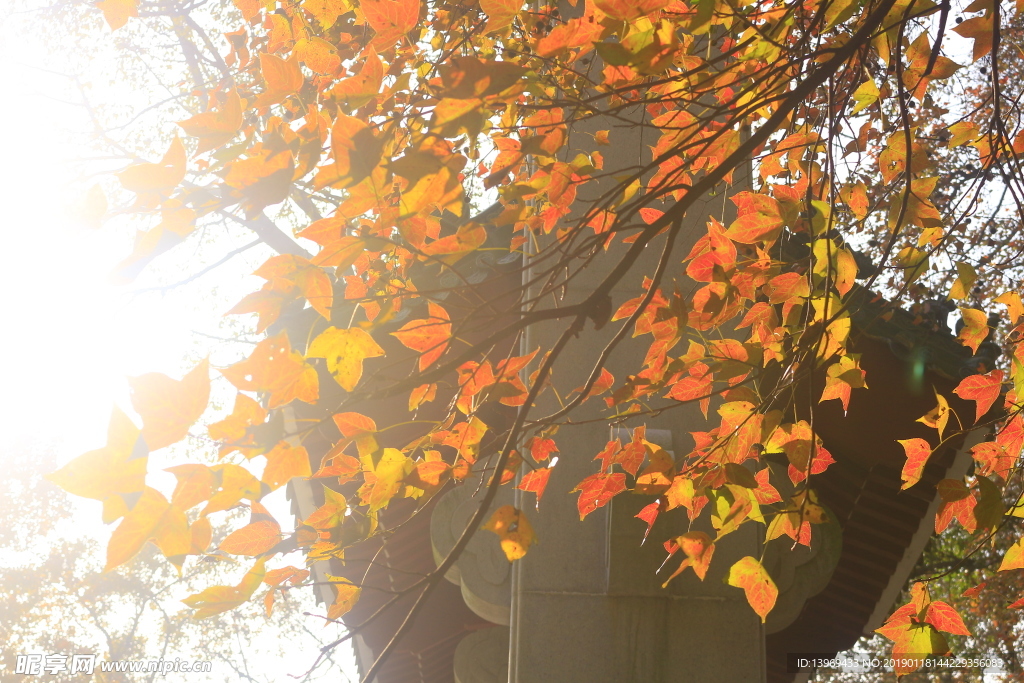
345	351
514	530
117	12
236	483
429	336
196	483
975	328
274	368
698	548
169	407
331	514
759	218
597	490
983	389
216	128
232	429
283	78
292	575
390	19
284	463
152	517
980	29
918	451
260	535
318	54
761	592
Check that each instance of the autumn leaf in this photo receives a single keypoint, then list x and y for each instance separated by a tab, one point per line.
982	389
119	468
598	489
285	462
980	29
151	181
698	549
918	451
390	19
384	480
232	430
937	417
274	368
169	407
196	483
235	484
975	328
535	481
429	336
966	276
257	537
283	77
345	351
500	13
117	12
217	599
217	127
759	218
514	531
346	596
154	518
760	590
944	618
331	514
1014	306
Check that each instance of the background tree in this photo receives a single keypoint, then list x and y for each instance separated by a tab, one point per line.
56	600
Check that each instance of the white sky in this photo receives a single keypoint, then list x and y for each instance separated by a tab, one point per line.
72	335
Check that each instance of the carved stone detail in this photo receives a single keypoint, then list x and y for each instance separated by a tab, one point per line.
482	656
483	572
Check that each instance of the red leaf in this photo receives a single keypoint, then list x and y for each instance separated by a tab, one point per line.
649	514
918	452
535	481
597	489
943	617
983	389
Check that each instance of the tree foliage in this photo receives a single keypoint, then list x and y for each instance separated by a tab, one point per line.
441	181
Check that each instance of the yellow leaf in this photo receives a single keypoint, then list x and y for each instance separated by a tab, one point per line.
346	596
966	276
1014	307
345	351
385	480
151	518
760	590
217	599
514	530
117	468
